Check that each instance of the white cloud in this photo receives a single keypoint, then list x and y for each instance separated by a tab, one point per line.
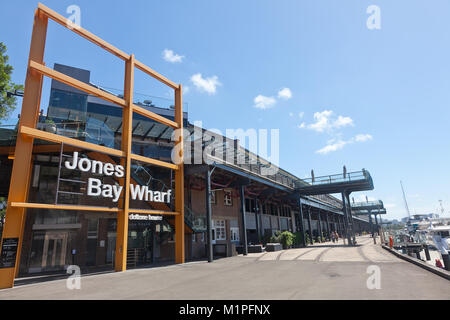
343	122
285	94
208	85
325	122
337	144
186	89
330	147
301	114
291	114
171	57
389	205
262	102
302	125
363	137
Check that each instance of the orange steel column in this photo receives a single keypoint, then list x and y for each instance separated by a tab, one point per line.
122	215
21	172
179	180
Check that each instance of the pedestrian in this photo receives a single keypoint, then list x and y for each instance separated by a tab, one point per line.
332	236
337	236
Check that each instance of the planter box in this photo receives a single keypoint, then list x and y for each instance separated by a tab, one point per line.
273	247
255	248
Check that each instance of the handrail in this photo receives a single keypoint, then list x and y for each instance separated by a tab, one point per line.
335	178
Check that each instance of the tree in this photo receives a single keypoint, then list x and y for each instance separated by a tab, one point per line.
7	88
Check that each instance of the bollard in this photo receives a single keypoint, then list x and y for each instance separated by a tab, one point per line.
427	253
391	242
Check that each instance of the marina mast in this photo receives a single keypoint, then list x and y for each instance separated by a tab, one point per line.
406	203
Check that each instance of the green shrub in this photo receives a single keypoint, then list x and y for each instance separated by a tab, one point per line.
286	239
275	238
298	237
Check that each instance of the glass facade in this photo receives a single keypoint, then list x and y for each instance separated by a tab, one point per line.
54	239
64	175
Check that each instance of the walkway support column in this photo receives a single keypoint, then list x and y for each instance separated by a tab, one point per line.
370	222
244	224
319	222
302	223
350	216
328	226
257	221
376	224
209	248
309	226
346	219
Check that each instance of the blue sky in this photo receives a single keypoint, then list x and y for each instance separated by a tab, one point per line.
374	99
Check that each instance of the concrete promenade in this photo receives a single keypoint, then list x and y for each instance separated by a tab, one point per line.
322	271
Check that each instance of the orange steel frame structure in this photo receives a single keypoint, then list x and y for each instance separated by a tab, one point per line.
22	166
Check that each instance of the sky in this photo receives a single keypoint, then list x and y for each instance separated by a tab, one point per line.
339	91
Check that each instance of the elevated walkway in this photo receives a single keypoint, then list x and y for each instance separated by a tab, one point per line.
366	206
367	212
338	183
344	184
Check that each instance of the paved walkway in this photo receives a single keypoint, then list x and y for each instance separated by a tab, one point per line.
365	251
322	271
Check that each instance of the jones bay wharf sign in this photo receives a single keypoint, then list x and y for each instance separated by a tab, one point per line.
95	187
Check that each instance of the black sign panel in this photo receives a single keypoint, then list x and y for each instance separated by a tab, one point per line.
9	252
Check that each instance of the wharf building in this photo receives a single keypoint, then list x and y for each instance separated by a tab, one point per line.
245	206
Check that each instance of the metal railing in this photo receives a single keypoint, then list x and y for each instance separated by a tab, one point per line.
336	178
89	131
195	221
376	203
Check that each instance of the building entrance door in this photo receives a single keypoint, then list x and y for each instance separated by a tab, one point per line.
54	252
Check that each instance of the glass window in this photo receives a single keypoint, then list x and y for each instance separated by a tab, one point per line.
92	228
227	200
219	231
234	234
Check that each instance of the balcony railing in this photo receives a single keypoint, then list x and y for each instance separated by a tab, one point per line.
336	178
376	203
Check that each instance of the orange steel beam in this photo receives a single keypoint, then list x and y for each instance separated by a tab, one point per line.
154	161
103	44
21	171
155	116
36	133
156	75
82	32
61	77
127	121
144	211
61	207
179	179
